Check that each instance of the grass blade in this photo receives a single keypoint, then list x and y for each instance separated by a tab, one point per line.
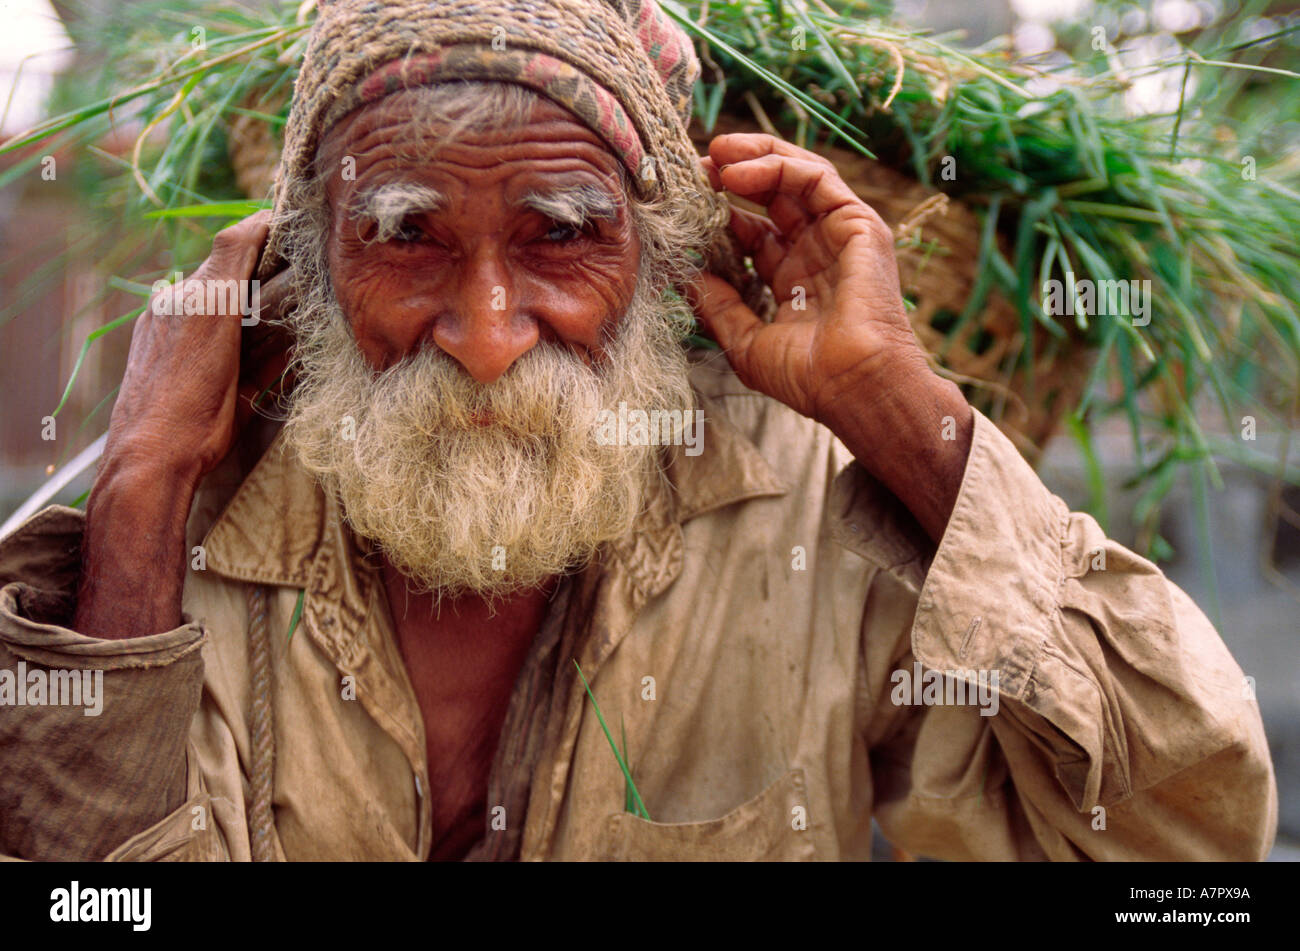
627	774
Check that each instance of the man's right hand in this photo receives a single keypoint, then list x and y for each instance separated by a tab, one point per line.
183	398
176	410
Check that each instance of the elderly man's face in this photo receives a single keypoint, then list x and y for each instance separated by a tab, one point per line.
481	249
485	302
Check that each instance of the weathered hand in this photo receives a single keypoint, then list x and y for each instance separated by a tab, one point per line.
179	405
184	397
839	349
840	327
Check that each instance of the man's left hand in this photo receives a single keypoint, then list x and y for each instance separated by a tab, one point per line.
839	349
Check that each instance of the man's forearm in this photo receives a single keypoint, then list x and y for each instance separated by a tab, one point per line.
912	431
133	554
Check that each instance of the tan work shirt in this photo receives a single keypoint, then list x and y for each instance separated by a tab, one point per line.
753	636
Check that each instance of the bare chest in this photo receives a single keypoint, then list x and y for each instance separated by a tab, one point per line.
462	661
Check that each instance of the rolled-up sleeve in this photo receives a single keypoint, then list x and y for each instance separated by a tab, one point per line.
113	776
1123	728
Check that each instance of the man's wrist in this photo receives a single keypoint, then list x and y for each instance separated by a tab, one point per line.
139	460
912	430
133	549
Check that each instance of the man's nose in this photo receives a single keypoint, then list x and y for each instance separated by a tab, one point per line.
485	329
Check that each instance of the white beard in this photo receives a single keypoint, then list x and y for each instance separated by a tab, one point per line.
494	509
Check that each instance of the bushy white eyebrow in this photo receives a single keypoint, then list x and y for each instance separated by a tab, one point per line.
389	205
572	206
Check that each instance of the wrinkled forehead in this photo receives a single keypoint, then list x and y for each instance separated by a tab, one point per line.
401	140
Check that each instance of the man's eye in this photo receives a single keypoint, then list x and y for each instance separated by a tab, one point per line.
563	234
407	233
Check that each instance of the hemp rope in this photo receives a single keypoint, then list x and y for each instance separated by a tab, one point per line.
261	821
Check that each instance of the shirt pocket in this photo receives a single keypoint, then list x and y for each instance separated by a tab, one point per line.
771	827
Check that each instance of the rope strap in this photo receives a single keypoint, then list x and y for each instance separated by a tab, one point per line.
261	820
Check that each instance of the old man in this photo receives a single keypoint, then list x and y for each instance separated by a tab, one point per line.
362	628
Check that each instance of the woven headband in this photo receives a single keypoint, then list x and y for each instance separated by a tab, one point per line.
620	66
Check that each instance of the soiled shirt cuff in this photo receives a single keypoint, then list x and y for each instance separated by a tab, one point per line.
992	586
189	834
992	607
95	731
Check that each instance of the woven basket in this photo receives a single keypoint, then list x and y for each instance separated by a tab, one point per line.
254	149
938	253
